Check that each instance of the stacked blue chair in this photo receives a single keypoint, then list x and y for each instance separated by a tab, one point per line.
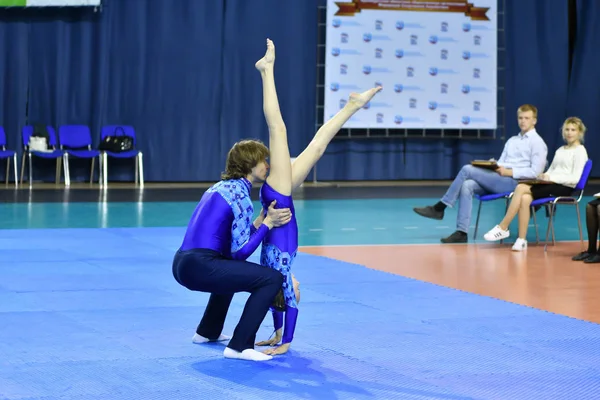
51	153
551	202
120	131
8	155
76	141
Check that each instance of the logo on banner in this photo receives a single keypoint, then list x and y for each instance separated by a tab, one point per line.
444	54
443	119
334	87
379	118
432	105
433	71
410	72
412	103
335	52
398	119
343	69
476	106
398	88
378	52
476	73
367	37
399	25
399	53
444	88
344	38
366	69
414	40
477	40
378	24
444	27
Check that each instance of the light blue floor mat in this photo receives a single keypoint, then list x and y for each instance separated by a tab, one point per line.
96	314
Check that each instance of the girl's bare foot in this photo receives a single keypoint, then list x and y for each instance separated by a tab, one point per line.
269	58
360	99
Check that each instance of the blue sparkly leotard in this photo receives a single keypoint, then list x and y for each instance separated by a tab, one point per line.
279	249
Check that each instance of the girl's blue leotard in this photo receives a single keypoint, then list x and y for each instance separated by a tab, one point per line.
279	248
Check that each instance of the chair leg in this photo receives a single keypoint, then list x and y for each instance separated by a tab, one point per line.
15	170
7	170
505	211
100	179
535	225
105	170
30	170
550	228
23	166
140	160
92	170
58	170
579	224
477	220
67	169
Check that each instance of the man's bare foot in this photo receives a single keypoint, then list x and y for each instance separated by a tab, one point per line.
277	350
268	59
360	99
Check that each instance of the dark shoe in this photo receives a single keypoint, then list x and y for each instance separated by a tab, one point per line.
456	237
593	259
429	212
584	255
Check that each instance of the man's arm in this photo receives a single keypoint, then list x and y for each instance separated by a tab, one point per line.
539	155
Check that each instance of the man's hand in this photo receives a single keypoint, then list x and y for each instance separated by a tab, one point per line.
504	171
277	216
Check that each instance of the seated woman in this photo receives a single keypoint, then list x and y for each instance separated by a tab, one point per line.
564	174
592	221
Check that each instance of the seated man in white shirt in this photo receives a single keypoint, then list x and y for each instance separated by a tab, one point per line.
524	157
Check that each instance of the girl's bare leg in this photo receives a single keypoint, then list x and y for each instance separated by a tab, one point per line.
280	174
316	148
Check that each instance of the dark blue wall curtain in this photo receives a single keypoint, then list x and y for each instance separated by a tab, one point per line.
182	73
537	59
584	87
14	35
293	29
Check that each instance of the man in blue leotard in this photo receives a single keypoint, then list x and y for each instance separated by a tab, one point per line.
219	238
280	245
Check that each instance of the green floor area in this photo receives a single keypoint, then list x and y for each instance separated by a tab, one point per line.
321	222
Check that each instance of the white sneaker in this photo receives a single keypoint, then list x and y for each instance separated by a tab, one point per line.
520	245
496	233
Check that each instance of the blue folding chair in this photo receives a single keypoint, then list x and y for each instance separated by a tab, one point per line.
9	155
76	141
490	197
51	153
551	202
116	130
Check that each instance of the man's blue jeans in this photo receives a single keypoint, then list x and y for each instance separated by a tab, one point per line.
470	181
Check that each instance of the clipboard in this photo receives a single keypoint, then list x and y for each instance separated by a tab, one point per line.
487	164
535	182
